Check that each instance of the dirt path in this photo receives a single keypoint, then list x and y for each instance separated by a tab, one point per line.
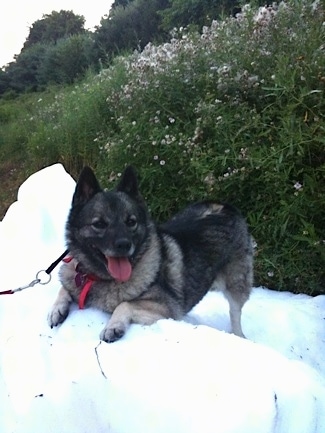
12	175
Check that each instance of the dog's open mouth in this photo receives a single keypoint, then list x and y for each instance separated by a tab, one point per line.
120	268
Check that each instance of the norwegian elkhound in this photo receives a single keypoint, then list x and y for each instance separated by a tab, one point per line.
122	263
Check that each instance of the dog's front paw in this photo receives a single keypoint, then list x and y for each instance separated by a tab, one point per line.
58	314
113	332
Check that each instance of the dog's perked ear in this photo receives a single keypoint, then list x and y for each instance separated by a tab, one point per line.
87	186
129	182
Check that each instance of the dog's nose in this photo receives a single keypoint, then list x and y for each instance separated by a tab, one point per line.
123	246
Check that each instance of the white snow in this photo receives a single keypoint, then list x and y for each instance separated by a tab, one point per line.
190	376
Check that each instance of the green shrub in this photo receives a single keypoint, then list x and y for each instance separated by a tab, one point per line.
13	133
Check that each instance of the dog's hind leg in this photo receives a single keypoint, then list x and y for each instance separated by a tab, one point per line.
143	312
238	283
235	310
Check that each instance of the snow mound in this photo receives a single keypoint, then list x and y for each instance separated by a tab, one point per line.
189	376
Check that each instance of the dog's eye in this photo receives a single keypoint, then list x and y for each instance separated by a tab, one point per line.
99	224
131	221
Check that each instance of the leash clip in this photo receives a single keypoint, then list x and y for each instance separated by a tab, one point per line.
31	284
40	277
38	280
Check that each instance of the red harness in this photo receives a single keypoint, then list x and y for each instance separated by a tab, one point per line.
84	293
84	280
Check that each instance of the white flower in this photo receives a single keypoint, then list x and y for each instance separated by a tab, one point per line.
297	186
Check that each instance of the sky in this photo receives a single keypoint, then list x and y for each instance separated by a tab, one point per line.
16	17
186	376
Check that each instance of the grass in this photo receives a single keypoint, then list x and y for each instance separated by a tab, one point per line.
235	113
13	155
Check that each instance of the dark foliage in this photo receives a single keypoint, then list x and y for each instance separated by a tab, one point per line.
54	26
59	50
129	26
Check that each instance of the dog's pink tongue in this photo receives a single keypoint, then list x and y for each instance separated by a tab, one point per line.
120	268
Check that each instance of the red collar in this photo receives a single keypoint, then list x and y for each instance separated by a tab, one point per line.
84	280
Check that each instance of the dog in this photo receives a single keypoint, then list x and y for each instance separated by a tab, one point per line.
121	262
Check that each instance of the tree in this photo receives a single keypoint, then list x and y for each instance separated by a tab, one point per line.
48	52
4	81
181	13
66	60
122	3
23	73
129	27
53	27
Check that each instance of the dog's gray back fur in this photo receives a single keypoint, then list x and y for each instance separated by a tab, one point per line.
173	265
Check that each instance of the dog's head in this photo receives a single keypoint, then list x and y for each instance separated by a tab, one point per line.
106	230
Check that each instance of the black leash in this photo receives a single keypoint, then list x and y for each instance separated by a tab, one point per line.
38	279
57	261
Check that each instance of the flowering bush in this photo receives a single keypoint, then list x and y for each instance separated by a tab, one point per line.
235	113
